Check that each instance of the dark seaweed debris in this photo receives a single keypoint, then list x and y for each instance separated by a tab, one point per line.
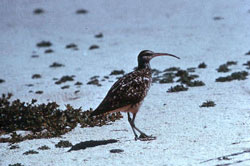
185	78
116	151
78	83
117	72
178	88
30	152
17	164
234	76
72	46
94	82
55	65
172	69
202	65
48	51
99	35
44	120
38	11
39	92
36	76
248	53
14	147
44	147
216	18
94	46
167	78
208	104
64	79
65	87
195	83
44	44
2	81
247	64
34	56
81	11
63	144
229	63
223	68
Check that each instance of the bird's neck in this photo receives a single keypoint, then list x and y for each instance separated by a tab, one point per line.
144	65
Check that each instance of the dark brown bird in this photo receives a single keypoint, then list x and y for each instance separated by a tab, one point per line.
127	94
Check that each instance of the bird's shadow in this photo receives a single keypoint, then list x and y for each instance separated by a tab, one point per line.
91	143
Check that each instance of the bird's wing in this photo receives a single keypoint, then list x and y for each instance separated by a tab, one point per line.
128	90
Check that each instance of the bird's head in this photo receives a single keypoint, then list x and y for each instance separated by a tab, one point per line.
146	55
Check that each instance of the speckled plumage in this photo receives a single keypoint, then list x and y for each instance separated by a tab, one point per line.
129	90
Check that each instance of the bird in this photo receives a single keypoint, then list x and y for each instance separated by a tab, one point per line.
128	92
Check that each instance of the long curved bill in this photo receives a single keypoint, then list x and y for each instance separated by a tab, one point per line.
165	54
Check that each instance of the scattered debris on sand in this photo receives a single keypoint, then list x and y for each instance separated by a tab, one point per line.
44	44
36	76
44	120
99	35
208	104
30	152
81	11
178	88
116	151
234	76
64	79
117	72
38	11
48	51
202	65
94	46
72	46
2	81
216	18
63	144
44	147
55	65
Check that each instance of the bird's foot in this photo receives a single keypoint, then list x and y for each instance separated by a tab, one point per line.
144	137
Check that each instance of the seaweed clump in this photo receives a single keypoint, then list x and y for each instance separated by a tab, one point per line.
38	11
94	46
64	79
247	53
94	81
208	104
63	144
234	76
36	76
2	81
44	147
202	65
17	164
72	46
117	72
224	67
81	11
178	88
247	64
44	120
55	64
30	152
44	44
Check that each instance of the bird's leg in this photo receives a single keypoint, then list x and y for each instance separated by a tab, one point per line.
132	126
143	136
